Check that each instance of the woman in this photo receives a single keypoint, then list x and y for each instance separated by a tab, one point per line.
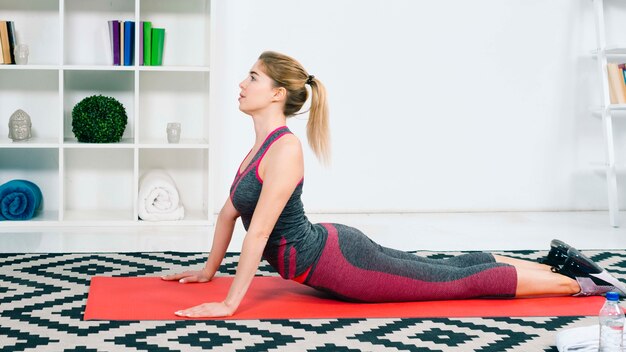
339	259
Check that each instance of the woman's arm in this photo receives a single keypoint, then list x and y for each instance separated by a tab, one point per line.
282	172
223	234
221	239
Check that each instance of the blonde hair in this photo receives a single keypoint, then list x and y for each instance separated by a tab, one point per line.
289	74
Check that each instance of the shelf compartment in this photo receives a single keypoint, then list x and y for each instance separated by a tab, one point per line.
187	28
36	25
81	84
98	184
35	92
87	30
189	170
40	166
173	97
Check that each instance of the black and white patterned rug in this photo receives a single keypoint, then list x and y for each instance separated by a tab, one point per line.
43	296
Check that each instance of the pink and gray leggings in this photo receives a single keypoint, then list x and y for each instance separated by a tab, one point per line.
353	267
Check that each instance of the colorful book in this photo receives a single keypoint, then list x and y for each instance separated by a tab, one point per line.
4	36
140	59
147	43
617	88
129	42
12	39
158	42
622	82
121	42
114	34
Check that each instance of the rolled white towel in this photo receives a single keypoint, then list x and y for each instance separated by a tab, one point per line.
158	197
581	339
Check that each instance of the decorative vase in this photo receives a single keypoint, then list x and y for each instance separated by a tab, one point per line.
173	132
21	54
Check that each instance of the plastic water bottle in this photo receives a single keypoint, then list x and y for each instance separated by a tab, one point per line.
611	324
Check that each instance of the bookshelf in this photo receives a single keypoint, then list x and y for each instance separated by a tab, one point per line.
97	184
605	54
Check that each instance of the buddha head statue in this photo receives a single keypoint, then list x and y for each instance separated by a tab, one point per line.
20	126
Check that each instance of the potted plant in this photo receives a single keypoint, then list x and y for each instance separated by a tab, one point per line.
99	119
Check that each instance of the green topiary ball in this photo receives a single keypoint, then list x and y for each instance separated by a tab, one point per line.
99	119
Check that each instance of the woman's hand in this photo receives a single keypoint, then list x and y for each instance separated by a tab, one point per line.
189	276
207	310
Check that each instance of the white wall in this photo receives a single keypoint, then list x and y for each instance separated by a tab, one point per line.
447	105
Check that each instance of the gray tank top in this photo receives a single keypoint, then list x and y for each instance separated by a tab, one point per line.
294	244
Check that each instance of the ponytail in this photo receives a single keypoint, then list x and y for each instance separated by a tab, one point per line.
317	129
289	73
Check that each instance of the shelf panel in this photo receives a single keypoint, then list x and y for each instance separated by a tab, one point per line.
46	217
34	142
111	68
98	215
612	51
125	143
175	68
97	68
29	67
185	143
192	218
617	108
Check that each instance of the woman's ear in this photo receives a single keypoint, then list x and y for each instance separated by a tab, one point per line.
280	93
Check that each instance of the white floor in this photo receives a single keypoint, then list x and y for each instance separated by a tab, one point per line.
428	231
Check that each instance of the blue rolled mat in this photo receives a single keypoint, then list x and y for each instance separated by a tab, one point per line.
19	199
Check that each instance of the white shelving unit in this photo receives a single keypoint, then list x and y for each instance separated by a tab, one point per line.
605	54
70	59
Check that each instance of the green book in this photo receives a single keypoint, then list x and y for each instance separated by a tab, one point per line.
158	39
147	42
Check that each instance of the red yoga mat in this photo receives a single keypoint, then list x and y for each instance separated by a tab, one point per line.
150	298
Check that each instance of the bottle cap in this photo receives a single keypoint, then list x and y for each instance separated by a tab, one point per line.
612	296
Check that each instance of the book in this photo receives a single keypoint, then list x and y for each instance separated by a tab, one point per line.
622	74
12	40
158	43
122	43
1	56
129	42
4	37
617	87
114	34
140	59
147	43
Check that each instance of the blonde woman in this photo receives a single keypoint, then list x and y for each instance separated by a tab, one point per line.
336	258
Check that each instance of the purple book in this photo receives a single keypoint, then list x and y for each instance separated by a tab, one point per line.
115	41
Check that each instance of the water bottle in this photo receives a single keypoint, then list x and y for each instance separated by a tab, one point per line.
611	324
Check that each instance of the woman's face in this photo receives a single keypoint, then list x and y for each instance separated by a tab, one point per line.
257	90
